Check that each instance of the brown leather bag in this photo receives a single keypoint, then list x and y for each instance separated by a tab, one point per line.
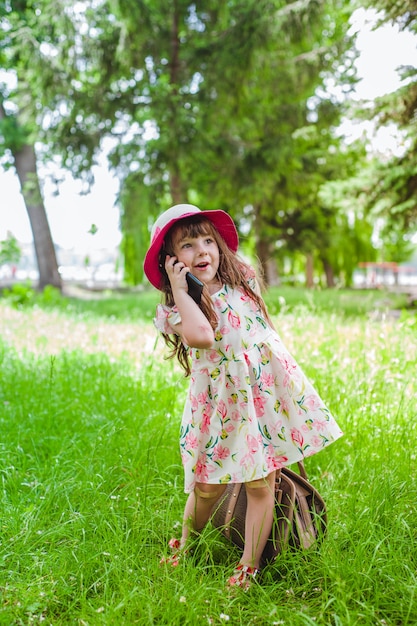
300	514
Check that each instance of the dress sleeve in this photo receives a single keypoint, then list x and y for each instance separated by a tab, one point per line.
166	318
250	276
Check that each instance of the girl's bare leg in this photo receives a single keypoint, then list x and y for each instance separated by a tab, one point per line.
199	507
259	518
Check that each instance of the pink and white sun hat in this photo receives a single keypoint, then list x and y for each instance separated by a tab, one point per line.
220	219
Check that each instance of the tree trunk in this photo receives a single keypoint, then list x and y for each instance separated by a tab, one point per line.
272	273
25	163
328	270
309	270
263	252
176	186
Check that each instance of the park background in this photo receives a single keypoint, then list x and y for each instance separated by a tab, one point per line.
311	150
239	106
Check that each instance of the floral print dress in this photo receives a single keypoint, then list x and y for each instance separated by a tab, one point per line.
250	409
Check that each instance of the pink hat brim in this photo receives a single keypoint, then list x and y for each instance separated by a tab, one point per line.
220	219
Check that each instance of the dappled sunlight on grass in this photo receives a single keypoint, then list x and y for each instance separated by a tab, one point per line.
49	332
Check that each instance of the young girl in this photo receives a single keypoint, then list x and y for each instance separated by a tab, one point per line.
250	409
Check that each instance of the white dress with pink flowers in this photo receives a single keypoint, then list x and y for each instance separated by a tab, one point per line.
250	408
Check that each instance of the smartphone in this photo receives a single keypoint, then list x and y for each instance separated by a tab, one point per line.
195	287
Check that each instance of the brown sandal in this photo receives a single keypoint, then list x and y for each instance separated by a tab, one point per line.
243	576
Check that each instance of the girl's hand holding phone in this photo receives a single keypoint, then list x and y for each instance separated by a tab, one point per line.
183	279
176	275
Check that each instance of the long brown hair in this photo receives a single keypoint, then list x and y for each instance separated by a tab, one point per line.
233	271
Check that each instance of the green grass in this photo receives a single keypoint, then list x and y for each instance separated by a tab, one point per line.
92	483
131	305
346	302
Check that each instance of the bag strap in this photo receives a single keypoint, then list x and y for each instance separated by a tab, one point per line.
302	470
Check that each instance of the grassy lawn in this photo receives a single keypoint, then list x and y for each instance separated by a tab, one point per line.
92	485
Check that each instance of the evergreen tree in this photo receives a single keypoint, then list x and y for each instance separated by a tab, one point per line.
393	193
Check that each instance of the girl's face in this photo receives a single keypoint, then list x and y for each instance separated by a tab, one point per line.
200	253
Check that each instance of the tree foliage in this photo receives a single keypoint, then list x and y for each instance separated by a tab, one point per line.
225	112
393	194
219	103
10	251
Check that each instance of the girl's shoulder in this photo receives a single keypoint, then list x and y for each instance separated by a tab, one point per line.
249	275
248	272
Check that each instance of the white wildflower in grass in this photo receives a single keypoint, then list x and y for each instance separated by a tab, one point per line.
224	617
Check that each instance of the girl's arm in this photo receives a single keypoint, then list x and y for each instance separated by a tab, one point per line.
195	329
